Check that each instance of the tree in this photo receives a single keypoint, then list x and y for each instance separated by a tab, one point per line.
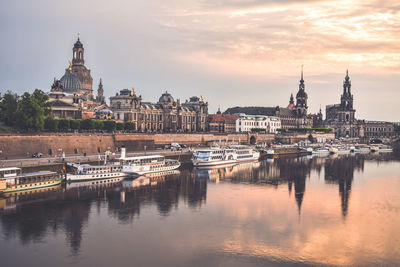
8	108
129	126
30	114
50	124
87	124
64	124
120	126
109	126
99	125
42	100
75	124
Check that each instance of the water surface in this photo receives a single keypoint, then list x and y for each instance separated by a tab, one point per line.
293	211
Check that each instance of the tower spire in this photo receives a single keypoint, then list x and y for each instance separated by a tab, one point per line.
302	80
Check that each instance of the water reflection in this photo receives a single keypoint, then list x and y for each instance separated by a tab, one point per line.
71	210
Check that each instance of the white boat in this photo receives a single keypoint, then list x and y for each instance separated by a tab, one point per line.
333	150
352	149
147	164
309	150
270	153
374	148
86	172
224	156
320	151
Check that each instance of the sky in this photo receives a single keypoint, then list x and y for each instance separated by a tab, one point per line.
233	53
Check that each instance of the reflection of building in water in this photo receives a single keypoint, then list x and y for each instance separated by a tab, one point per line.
35	215
341	171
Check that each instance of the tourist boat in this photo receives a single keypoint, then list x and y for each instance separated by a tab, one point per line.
86	172
270	153
224	156
374	148
147	164
352	149
385	149
320	151
12	180
309	150
333	150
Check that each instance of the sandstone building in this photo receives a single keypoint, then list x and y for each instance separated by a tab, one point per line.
167	115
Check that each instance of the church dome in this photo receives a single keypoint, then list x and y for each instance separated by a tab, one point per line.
78	44
70	83
166	98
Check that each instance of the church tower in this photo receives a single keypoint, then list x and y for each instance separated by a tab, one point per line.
78	53
79	69
346	102
301	98
100	93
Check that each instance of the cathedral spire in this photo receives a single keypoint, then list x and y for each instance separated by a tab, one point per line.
347	75
302	80
291	101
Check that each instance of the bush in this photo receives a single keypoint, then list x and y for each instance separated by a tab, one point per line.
63	124
119	126
75	124
87	124
99	125
109	125
50	124
129	126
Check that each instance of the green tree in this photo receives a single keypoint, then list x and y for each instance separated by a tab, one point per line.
129	126
50	124
99	125
120	126
42	100
75	124
30	114
87	124
8	108
64	124
109	126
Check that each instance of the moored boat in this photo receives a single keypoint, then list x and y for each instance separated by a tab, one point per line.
12	180
374	148
147	164
88	172
333	150
224	156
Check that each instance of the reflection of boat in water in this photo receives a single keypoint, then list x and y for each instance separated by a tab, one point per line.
12	180
148	179
90	183
224	156
216	173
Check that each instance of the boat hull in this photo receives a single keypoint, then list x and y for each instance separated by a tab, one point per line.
90	177
24	187
140	170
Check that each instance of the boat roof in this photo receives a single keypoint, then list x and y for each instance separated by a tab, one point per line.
31	174
142	157
10	169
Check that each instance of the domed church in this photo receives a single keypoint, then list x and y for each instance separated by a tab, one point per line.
72	95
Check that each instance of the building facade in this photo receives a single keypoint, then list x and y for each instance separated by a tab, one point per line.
295	115
341	117
72	95
167	115
249	123
378	129
220	123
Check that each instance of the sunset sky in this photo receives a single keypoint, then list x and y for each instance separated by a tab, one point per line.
234	53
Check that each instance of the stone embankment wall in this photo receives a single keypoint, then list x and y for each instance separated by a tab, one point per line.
12	146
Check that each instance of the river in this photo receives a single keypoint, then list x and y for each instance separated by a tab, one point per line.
288	211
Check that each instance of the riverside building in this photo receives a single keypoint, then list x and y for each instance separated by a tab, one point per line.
249	123
166	115
72	95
